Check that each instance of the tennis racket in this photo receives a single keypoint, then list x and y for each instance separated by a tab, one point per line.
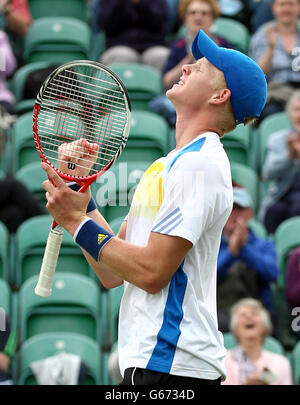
82	105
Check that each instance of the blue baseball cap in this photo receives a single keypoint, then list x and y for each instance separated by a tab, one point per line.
244	78
242	198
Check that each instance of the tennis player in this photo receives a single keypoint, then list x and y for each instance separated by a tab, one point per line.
166	251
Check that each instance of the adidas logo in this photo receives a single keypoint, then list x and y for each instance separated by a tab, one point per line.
101	238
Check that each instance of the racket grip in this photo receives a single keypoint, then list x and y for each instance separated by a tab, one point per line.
44	284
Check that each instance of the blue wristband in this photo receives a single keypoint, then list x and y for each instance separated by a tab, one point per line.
92	237
92	204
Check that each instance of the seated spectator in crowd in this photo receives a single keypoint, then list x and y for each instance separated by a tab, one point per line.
282	169
249	363
17	204
17	15
293	279
292	291
7	67
247	264
135	31
274	47
196	15
7	349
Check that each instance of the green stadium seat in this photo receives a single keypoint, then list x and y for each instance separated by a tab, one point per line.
116	223
59	8
4	252
286	237
267	127
234	31
258	228
114	301
247	177
5	298
237	144
295	360
32	175
29	245
57	40
24	105
24	151
271	344
74	306
148	138
48	344
143	83
117	188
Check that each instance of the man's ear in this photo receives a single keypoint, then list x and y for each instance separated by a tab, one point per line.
220	97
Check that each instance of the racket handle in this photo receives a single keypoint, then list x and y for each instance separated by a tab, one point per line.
44	284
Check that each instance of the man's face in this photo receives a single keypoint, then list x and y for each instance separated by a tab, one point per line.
286	11
195	86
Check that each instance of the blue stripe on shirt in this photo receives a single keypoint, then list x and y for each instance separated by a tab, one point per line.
166	218
164	351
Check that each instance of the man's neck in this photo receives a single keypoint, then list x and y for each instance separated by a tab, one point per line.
188	129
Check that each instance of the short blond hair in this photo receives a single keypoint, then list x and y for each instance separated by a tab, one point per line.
184	4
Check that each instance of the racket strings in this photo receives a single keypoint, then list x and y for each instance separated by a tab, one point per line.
73	109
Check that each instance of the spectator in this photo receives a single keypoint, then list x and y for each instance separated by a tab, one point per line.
293	279
7	350
195	14
135	31
247	264
274	47
17	15
17	204
7	67
248	363
282	169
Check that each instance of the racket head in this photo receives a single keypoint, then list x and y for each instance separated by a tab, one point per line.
79	100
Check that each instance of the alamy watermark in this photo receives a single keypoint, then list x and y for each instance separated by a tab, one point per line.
295	325
118	189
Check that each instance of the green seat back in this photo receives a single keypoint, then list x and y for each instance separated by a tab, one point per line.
32	175
271	124
247	177
115	188
48	344
30	242
148	138
271	344
57	40
4	252
233	31
296	363
59	8
287	238
24	150
5	297
114	301
237	144
143	83
74	306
